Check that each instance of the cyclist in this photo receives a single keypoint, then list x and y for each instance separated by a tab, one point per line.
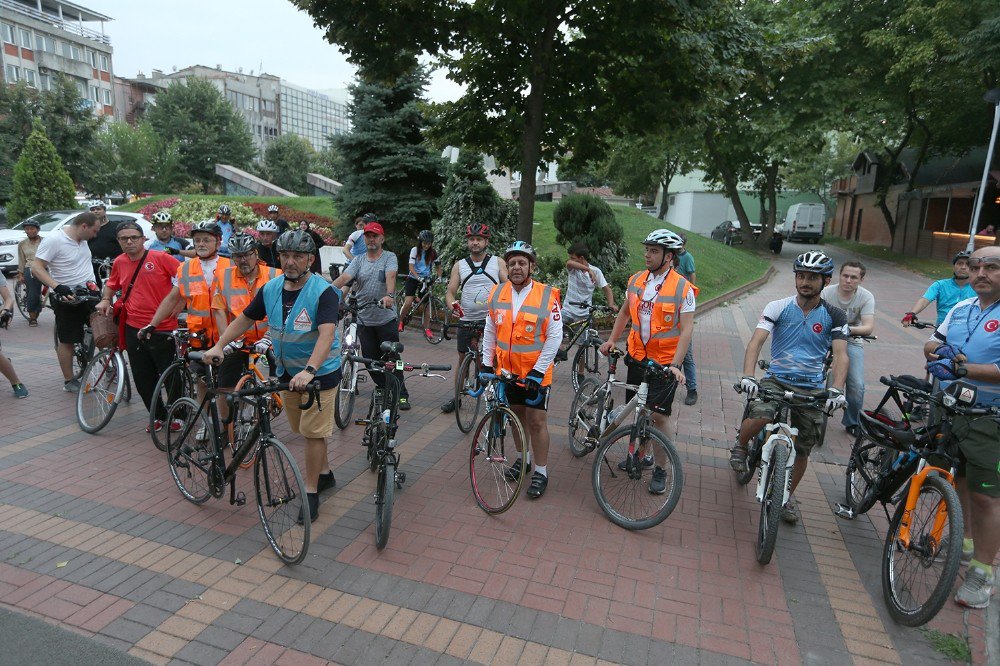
971	333
686	267
660	306
374	276
144	278
583	279
475	276
63	263
25	258
945	293
166	241
105	244
354	246
859	305
6	315
272	215
804	328
318	242
225	223
301	310
422	257
267	234
522	335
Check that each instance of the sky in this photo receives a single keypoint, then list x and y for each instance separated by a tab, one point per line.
273	34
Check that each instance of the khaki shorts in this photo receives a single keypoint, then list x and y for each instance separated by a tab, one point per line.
808	420
313	423
979	442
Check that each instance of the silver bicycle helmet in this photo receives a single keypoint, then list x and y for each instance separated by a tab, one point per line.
225	210
664	238
520	247
296	240
242	243
814	262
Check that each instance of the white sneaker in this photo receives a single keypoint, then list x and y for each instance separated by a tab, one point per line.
976	590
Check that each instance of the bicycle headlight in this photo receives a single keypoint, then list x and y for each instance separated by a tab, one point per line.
348	340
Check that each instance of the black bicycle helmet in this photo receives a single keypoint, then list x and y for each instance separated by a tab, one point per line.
425	236
369	217
964	254
296	240
814	262
242	243
225	210
207	227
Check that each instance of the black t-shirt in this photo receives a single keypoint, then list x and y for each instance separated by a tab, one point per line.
105	244
283	225
269	255
327	312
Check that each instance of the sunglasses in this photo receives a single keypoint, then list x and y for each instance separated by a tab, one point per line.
976	262
130	239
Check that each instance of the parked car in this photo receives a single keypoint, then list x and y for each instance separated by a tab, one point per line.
48	222
730	233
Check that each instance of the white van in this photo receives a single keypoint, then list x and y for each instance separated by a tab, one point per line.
804	222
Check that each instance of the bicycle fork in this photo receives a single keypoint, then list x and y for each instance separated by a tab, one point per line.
912	494
784	435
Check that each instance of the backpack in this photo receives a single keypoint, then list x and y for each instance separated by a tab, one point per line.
477	270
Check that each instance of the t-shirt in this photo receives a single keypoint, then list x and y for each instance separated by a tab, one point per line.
646	304
227	231
581	288
105	244
369	280
69	261
327	312
476	285
208	269
976	333
156	278
799	341
685	264
945	293
357	238
862	304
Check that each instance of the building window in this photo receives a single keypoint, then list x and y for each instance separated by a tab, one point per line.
8	33
29	76
25	38
107	96
93	58
45	82
12	74
105	63
95	94
45	43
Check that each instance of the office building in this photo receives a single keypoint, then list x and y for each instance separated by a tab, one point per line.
311	115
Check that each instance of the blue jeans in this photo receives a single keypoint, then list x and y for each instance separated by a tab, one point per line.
689	374
855	385
34	291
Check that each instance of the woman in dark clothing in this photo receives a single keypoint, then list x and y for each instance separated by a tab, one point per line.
304	226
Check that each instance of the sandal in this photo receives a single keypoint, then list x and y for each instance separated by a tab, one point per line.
738	459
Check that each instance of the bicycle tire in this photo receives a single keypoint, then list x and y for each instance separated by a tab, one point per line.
868	463
21	298
102	385
190	460
244	422
771	505
610	483
584	415
434	314
466	406
385	490
489	459
754	449
825	416
343	407
590	358
160	401
374	416
894	589
279	487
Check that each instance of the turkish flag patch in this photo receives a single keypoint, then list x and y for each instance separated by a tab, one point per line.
817	328
991	326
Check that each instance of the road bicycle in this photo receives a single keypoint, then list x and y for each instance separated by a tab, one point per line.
583	333
347	391
894	462
196	454
178	380
827	364
429	306
244	424
772	455
467	399
380	430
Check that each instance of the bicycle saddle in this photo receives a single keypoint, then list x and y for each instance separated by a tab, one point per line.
886	431
912	382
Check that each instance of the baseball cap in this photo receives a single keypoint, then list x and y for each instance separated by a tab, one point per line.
374	228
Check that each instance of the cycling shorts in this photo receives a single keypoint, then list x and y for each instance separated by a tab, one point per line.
979	444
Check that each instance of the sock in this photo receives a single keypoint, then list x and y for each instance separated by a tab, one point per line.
541	470
982	567
966	544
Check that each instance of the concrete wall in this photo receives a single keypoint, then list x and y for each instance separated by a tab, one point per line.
699	212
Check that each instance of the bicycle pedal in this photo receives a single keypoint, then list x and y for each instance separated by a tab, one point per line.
845	512
363	422
400	479
241	498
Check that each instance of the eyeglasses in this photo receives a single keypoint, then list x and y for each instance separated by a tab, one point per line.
976	262
130	239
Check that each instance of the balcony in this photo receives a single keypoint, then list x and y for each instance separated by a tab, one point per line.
60	22
57	63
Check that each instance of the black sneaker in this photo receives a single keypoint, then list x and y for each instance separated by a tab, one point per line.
448	407
404	404
692	397
513	473
852	430
738	459
326	481
658	485
312	500
539	482
647	461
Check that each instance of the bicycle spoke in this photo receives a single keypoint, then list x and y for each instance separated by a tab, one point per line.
281	502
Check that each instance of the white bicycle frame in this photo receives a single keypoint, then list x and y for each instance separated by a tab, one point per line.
351	346
781	434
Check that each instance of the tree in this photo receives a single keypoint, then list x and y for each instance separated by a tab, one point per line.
541	78
69	123
809	170
41	182
207	129
389	169
18	103
131	160
638	165
590	220
287	160
328	162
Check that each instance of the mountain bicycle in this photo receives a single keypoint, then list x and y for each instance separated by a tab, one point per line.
380	430
179	380
430	307
199	469
467	400
590	414
583	333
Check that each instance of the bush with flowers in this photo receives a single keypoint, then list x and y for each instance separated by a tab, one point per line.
148	210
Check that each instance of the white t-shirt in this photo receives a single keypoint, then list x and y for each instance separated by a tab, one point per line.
646	304
69	261
208	269
581	288
860	305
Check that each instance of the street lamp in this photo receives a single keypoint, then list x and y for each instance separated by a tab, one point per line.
991	97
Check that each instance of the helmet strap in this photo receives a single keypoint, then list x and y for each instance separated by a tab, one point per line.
304	274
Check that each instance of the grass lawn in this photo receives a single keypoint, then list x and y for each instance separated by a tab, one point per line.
931	268
316	205
720	268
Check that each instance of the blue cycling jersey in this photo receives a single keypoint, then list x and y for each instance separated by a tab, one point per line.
976	333
945	294
799	341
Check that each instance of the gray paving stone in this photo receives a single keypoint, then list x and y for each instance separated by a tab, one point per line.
200	653
353	650
126	630
166	601
273	624
313	634
636	650
589	640
292	629
521	623
480	611
220	637
238	622
565	634
147	615
333	642
255	609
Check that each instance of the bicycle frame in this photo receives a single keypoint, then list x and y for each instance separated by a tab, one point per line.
941	514
781	434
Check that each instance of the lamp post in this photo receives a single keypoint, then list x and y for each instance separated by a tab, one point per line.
992	97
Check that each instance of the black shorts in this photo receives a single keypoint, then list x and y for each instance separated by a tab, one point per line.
661	389
70	320
517	395
232	368
467	338
411	286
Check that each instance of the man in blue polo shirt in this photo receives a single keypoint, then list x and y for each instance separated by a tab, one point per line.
945	293
971	334
166	241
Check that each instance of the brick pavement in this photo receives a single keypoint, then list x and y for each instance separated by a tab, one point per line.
94	536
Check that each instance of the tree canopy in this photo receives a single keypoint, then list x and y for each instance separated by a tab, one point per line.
287	160
131	159
41	182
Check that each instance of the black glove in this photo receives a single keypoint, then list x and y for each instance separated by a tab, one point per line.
146	332
169	250
63	291
534	380
5	317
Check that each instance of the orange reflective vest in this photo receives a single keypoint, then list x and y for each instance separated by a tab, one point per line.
519	342
234	294
198	296
663	324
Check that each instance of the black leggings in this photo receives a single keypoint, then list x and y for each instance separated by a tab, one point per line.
371	337
148	360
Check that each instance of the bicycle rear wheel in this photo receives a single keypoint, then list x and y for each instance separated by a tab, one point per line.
589	359
434	320
21	298
344	406
175	382
498	442
771	506
384	491
917	578
244	423
583	418
868	463
190	459
625	496
466	406
281	501
102	385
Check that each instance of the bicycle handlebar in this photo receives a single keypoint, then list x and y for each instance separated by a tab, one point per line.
272	386
938	399
782	396
510	379
379	365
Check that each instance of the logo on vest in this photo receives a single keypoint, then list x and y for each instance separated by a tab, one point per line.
302	321
668	318
991	326
817	328
529	328
499	318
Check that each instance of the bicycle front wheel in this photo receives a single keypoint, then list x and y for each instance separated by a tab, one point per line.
344	405
586	361
583	418
384	491
918	573
175	382
189	451
466	406
631	497
281	502
771	506
434	320
498	442
21	298
102	385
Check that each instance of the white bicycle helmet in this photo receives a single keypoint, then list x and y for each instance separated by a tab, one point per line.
225	210
273	208
664	238
161	217
520	247
814	262
267	225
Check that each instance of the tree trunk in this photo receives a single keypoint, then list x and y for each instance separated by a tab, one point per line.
669	170
730	183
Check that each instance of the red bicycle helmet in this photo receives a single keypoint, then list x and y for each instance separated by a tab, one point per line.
477	229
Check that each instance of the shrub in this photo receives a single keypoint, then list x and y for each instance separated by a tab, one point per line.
148	210
590	220
199	210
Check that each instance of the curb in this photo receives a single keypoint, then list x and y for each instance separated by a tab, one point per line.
713	303
993	634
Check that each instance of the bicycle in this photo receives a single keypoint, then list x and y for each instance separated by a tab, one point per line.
104	382
827	364
244	424
380	431
21	298
467	401
198	464
591	409
772	454
347	391
926	411
588	339
433	313
179	379
913	468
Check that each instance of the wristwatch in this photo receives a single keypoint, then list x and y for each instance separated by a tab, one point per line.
311	370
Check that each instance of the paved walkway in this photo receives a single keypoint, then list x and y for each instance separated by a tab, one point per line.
95	537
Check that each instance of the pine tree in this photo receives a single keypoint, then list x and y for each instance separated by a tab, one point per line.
41	182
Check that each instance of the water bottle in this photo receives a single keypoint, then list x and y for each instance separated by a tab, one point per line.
385	416
614	417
